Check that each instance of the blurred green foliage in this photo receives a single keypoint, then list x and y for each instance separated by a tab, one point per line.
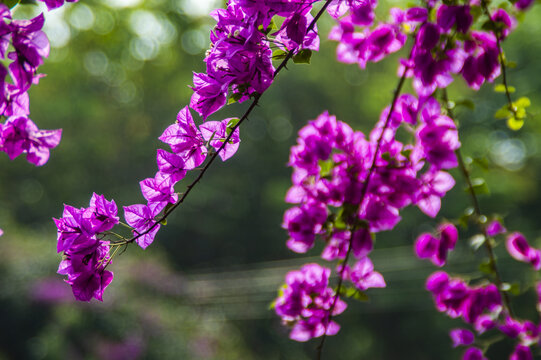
118	73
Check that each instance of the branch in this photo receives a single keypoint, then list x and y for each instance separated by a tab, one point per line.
254	103
479	215
363	194
501	59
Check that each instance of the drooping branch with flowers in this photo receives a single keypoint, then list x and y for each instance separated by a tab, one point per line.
346	186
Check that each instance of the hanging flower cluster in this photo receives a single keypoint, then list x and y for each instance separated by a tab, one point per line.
23	45
305	301
481	306
239	61
239	66
85	254
347	187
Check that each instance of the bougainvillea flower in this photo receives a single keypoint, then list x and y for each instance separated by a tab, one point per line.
53	4
86	272
216	132
74	230
20	135
158	191
104	213
209	95
171	165
436	249
185	140
305	302
521	352
459	15
473	353
495	228
461	337
141	218
518	248
364	277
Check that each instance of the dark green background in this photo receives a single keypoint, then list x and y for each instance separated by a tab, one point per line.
202	290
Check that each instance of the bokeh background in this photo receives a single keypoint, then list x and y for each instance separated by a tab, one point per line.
117	75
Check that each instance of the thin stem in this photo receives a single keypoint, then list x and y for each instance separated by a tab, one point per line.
363	194
500	59
252	106
479	215
111	257
125	225
116	235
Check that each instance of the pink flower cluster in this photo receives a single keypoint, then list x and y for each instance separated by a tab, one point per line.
85	254
347	186
436	248
239	61
239	64
518	248
18	134
437	55
482	307
305	301
189	150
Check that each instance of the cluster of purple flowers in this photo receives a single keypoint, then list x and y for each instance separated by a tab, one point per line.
476	305
347	186
305	301
345	191
53	4
370	45
481	307
436	248
239	61
85	254
189	150
438	53
18	134
520	250
331	164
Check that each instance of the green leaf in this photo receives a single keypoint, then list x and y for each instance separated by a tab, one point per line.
467	103
463	221
10	3
233	98
476	12
477	241
231	124
514	123
500	88
303	57
272	26
511	64
486	268
406	153
279	54
481	162
480	186
386	156
353	293
167	208
523	102
325	167
502	113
